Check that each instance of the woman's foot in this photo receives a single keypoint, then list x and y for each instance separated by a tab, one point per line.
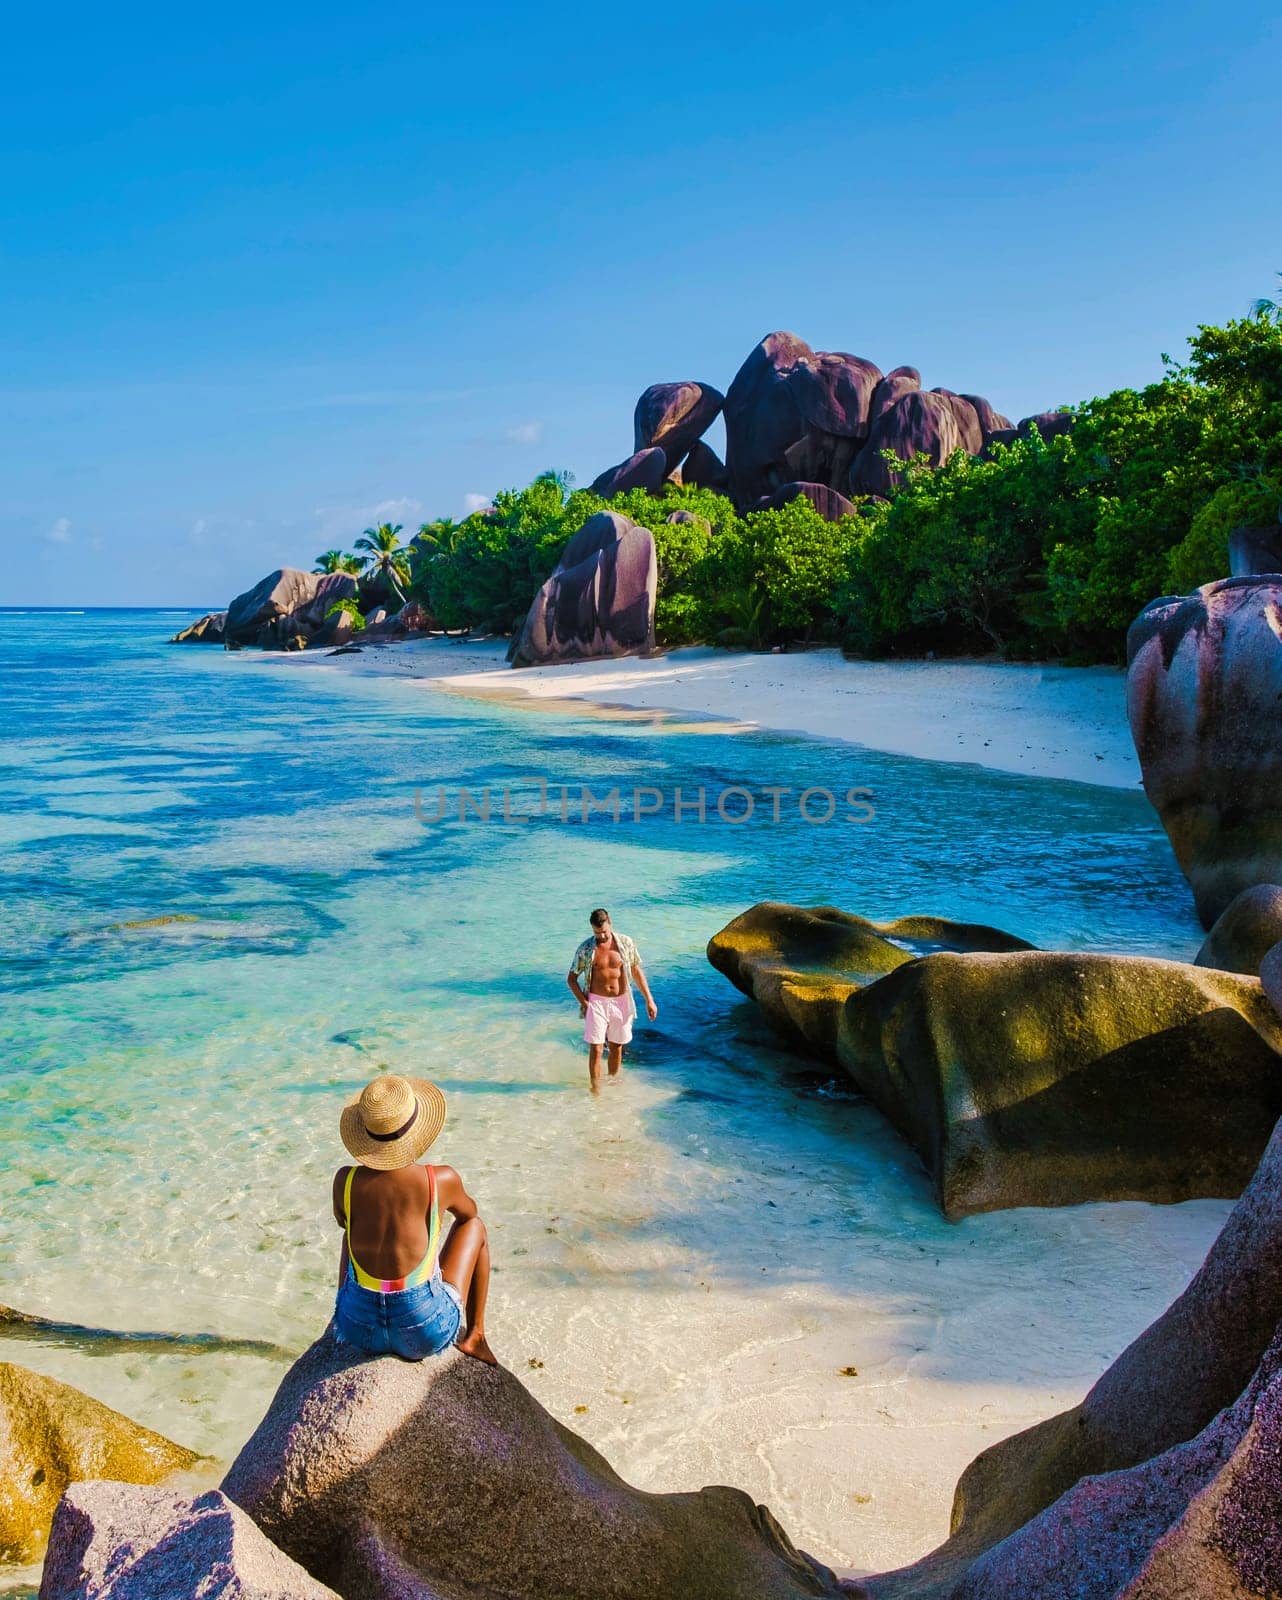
475	1345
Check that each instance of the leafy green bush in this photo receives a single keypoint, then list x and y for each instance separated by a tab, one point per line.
1203	554
349	607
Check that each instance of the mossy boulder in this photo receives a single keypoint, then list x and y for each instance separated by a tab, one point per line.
1041	1078
1020	1076
52	1435
801	964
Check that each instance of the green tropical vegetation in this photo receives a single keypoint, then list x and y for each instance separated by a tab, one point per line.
386	557
350	608
1047	549
336	561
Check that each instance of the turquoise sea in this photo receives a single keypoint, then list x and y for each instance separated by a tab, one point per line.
221	915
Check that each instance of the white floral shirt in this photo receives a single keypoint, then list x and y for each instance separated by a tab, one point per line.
582	965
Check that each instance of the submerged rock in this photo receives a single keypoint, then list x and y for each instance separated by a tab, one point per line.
446	1477
599	601
1150	1489
1025	1077
115	1541
52	1435
1245	931
1202	692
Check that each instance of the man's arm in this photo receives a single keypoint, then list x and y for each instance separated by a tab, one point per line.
572	978
638	977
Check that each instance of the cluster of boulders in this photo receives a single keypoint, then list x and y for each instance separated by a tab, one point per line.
1022	1076
599	601
386	1480
812	422
292	610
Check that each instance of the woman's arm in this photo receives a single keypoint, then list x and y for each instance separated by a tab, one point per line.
453	1196
340	1217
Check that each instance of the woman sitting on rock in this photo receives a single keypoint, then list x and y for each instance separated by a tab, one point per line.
401	1292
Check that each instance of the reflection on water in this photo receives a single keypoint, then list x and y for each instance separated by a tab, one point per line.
222	916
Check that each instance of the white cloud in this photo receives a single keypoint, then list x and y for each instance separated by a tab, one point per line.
525	433
60	533
475	502
349	522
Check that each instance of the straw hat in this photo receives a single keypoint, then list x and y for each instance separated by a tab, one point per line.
392	1121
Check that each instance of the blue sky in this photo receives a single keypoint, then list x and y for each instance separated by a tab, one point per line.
269	274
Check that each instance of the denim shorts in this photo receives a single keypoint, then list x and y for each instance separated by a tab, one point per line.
410	1323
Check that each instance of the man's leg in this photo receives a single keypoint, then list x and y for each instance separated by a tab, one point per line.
465	1262
615	1059
594	1064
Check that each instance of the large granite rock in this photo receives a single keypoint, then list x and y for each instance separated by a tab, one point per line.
991	421
1050	424
52	1435
599	601
830	505
205	630
286	605
1155	1490
801	964
704	469
446	1478
114	1541
898	382
675	416
921	423
794	413
1024	1077
645	470
1044	1078
966	417
1245	931
1203	687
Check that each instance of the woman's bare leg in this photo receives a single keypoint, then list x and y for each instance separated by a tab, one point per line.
465	1262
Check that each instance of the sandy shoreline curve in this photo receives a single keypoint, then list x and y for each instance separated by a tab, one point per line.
1038	721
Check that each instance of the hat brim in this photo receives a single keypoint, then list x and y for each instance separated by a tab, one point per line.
385	1154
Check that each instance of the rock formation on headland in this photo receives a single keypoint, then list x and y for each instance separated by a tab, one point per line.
1021	1076
1203	687
290	610
598	602
813	421
52	1435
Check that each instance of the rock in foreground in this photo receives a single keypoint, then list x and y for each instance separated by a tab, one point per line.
1150	1489
446	1478
1245	931
52	1435
113	1541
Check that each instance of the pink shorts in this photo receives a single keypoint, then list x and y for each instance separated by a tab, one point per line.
608	1019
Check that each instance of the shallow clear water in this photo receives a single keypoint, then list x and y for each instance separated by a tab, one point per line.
692	1256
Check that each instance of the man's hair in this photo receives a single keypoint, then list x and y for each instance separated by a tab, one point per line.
599	916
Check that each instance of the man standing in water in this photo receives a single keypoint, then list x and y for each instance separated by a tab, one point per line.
605	967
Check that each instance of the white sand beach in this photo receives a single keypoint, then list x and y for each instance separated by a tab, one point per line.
885	1355
1039	721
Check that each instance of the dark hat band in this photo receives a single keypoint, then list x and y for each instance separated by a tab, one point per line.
397	1133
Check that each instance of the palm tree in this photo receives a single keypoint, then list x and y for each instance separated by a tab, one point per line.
1269	310
387	556
336	561
436	538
